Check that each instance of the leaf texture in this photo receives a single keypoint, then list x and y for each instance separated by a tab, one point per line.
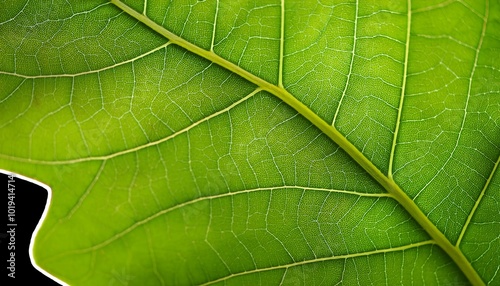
258	142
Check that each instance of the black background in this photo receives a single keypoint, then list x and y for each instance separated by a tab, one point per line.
30	200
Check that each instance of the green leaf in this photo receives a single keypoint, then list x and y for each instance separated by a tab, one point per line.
258	142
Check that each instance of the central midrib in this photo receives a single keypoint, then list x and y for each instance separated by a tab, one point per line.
388	183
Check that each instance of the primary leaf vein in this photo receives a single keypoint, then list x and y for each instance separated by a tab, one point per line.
329	130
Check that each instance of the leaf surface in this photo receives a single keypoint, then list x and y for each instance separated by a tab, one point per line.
258	142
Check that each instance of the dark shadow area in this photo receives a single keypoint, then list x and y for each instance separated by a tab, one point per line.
22	205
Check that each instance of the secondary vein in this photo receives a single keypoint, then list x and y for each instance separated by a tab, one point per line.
337	257
350	65
282	43
403	89
137	148
198	200
471	214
